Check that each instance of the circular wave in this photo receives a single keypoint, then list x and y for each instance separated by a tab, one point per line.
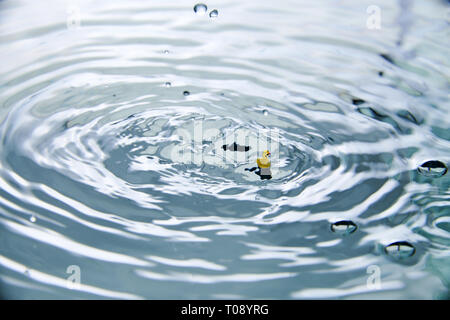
112	155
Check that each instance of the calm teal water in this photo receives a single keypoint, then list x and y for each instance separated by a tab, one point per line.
114	182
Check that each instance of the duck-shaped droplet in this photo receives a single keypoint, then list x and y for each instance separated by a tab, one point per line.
263	166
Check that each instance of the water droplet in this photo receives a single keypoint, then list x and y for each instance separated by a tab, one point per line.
433	169
33	219
200	8
344	227
186	93
213	14
167	84
265	112
400	249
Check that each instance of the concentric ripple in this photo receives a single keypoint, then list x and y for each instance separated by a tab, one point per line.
113	119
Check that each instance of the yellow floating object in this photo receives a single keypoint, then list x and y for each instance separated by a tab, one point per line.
264	161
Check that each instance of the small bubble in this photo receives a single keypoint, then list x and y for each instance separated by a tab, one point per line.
167	84
33	219
166	51
400	249
432	169
344	227
213	14
265	112
200	8
186	93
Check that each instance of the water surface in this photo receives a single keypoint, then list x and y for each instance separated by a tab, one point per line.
113	115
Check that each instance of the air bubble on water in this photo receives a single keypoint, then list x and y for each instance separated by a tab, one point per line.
186	93
33	219
200	8
167	84
213	14
166	51
432	168
344	227
400	250
265	112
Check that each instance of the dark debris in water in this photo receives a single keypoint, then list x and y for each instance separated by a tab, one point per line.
235	147
357	101
387	57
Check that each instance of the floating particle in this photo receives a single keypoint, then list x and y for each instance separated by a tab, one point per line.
357	101
200	8
186	93
167	84
432	169
213	14
387	57
166	51
265	112
400	249
344	227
